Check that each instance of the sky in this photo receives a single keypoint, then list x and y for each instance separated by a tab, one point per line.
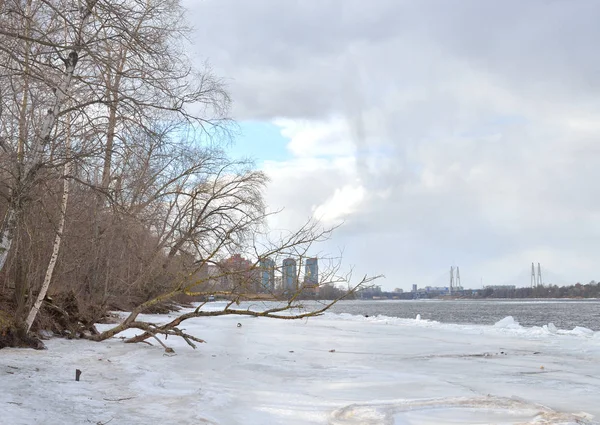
439	133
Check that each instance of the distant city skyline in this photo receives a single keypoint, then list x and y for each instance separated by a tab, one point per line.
267	275
271	276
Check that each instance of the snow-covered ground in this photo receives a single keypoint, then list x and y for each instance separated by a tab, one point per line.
334	369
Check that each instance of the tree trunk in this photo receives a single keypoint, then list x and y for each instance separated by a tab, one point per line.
7	234
112	94
55	249
21	281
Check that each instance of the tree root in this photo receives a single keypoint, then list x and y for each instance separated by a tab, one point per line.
13	337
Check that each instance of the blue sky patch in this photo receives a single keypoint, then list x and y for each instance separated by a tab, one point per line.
260	141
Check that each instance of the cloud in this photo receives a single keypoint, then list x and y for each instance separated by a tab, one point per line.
300	186
440	133
315	138
344	201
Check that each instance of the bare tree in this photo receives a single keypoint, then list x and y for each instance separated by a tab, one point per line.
151	203
40	87
30	31
117	66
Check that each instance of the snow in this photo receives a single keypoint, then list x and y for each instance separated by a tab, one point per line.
383	370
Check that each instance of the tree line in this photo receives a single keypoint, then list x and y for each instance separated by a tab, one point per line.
589	290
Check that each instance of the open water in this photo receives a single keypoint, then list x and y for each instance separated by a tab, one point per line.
565	314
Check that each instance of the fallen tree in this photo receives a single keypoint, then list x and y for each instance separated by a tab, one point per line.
171	328
239	284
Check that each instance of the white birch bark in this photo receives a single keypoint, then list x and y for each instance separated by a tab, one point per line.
55	249
6	234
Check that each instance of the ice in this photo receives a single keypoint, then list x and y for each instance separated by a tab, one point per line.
383	370
507	323
460	410
578	330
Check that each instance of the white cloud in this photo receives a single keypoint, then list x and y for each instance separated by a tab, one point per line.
341	204
298	184
315	138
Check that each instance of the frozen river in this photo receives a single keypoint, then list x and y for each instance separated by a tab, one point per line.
337	369
565	314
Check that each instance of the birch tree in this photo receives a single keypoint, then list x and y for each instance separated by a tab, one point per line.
94	56
29	33
57	240
41	86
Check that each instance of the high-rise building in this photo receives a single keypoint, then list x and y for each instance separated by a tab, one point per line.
311	272
289	275
237	273
267	275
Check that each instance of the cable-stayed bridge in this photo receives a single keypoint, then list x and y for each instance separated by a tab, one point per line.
525	277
